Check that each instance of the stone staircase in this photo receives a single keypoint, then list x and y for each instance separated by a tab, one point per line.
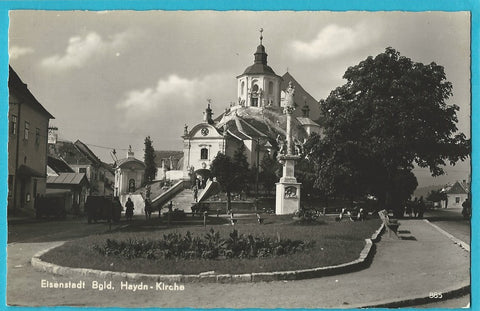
183	200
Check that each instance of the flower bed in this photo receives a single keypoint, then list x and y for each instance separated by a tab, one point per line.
329	243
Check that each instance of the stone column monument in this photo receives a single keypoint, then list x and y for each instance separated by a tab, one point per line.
287	189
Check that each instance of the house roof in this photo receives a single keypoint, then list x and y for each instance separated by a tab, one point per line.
457	188
16	85
68	179
87	152
166	154
58	165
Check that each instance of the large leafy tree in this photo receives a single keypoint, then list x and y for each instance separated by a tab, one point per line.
269	173
149	160
232	174
391	115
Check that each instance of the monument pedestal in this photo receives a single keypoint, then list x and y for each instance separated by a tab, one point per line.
287	199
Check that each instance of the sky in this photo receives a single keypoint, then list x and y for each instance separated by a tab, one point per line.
112	78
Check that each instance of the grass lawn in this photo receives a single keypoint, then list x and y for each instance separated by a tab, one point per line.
335	243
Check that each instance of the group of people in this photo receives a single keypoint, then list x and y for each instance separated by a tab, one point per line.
129	207
415	208
357	214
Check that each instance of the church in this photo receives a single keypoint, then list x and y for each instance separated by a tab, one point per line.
255	121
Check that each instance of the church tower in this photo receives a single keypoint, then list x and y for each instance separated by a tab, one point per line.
259	85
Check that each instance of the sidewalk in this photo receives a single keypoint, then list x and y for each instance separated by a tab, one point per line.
424	261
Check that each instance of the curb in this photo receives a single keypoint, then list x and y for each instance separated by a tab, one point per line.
459	242
362	262
449	293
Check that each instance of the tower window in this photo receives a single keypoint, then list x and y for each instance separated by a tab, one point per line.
255	88
204	154
242	88
270	88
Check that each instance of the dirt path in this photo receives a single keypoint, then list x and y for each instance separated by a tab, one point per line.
427	262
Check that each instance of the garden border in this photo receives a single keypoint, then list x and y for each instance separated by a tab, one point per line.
362	262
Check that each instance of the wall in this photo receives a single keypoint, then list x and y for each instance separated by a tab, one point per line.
452	202
263	83
32	152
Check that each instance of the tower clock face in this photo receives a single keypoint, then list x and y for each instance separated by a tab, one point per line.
204	131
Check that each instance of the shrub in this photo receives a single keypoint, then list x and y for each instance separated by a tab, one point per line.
210	246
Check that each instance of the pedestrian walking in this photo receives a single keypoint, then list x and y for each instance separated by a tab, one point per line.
129	209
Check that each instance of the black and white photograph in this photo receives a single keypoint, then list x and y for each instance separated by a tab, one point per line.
239	159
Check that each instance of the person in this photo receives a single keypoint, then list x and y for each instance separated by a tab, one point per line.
148	209
466	208
129	209
421	207
415	206
195	193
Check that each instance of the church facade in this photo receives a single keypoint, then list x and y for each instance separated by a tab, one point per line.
255	121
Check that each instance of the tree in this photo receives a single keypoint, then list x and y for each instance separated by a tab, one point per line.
149	159
231	173
390	115
269	173
437	196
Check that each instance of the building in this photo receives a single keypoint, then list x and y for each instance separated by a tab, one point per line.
75	188
169	165
129	179
81	159
27	147
255	122
129	174
456	194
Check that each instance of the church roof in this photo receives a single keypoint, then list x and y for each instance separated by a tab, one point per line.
301	97
307	121
260	64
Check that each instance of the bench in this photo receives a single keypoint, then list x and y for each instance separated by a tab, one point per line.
391	224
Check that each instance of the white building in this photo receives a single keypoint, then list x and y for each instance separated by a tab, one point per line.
129	174
256	121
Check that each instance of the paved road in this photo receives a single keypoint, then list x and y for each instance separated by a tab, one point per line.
452	221
423	262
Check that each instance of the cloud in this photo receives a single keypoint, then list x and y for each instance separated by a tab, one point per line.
173	89
334	40
175	99
15	52
82	49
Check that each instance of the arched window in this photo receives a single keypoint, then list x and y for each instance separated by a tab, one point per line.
242	88
255	88
131	185
270	88
204	154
